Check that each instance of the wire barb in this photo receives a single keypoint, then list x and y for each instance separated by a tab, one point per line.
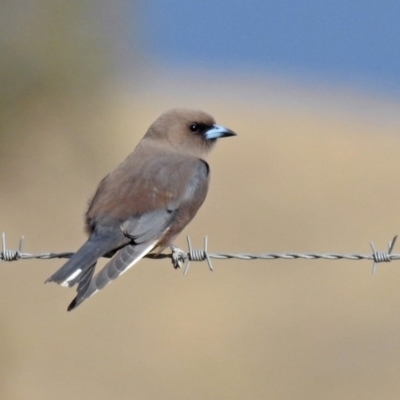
197	255
381	256
10	255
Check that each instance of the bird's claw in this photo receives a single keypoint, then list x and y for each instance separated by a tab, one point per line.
179	257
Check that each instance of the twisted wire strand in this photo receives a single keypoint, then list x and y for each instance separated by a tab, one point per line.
182	258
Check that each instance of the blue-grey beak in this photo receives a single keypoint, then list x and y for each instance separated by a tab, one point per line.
218	131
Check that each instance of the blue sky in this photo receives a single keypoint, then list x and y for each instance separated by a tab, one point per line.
348	41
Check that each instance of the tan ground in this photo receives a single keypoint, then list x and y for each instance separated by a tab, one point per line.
310	170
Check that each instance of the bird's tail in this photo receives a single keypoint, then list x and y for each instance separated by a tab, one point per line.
79	263
124	259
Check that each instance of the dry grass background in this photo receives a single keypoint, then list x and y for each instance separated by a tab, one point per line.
309	171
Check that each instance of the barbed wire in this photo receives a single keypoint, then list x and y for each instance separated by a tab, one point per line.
181	258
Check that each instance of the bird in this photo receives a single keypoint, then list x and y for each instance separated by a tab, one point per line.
146	201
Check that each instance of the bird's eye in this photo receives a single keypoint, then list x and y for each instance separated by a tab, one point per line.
194	127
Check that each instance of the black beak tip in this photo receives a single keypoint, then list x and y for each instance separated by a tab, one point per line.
230	133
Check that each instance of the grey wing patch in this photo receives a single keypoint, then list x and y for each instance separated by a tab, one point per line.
151	225
198	185
124	259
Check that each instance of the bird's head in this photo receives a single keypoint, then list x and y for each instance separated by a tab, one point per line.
189	131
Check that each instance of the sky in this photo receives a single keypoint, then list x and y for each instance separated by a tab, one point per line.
351	42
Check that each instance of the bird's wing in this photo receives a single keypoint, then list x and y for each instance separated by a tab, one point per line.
149	229
145	227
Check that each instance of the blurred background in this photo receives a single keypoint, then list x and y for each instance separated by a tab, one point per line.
313	89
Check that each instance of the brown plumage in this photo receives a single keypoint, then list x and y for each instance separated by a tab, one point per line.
146	201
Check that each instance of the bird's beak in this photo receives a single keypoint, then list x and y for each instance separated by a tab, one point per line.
218	131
